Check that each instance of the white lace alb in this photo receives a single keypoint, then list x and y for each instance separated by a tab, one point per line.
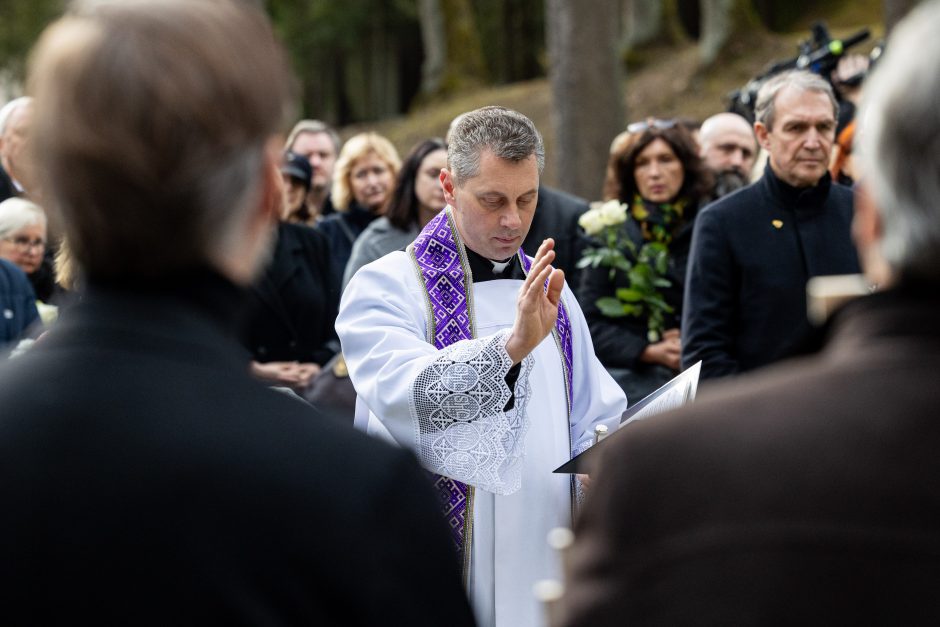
457	408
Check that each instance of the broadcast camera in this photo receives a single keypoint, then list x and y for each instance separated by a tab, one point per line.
820	54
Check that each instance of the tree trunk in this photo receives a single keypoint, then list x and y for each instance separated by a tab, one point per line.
434	40
452	47
585	79
715	28
722	20
894	10
642	23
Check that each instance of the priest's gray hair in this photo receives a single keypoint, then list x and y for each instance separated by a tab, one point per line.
506	133
899	137
765	110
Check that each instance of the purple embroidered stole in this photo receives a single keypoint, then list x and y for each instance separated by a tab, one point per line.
438	254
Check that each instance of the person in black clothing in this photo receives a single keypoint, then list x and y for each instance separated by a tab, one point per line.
289	330
556	216
656	170
363	182
149	479
754	250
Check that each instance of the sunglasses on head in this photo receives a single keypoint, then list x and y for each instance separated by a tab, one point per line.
648	123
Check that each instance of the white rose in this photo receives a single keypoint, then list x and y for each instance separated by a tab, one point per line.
591	222
613	212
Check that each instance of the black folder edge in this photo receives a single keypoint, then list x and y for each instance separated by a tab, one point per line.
579	464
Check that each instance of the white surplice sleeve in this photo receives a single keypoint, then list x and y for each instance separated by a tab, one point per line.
451	406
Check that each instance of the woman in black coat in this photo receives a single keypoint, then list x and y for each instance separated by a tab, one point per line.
655	169
294	304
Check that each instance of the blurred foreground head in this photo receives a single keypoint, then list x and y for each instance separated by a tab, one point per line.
155	122
898	221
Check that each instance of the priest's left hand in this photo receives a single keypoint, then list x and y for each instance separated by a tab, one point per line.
537	306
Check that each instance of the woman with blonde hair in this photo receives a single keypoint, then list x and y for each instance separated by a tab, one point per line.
363	182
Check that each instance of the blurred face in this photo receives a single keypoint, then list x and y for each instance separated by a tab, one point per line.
730	148
371	181
494	209
428	188
658	172
25	247
801	139
14	141
319	150
294	194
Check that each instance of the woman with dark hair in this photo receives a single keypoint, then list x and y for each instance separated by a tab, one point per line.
418	197
655	169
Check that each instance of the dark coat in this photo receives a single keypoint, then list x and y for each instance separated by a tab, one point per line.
752	253
805	494
341	229
17	303
556	216
294	303
149	480
7	188
619	342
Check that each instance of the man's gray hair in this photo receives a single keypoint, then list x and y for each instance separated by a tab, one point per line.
6	113
803	81
506	133
899	136
313	127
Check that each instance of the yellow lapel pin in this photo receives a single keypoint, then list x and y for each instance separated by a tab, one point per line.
777	223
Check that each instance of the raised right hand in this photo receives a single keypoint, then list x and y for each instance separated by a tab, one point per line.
537	307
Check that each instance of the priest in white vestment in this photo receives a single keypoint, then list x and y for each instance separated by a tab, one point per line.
479	359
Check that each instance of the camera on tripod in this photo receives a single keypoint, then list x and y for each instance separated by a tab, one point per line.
819	54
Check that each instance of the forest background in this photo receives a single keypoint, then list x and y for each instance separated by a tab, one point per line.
581	69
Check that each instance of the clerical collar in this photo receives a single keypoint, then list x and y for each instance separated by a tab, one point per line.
484	269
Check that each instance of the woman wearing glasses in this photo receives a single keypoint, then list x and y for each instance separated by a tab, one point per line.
23	240
655	169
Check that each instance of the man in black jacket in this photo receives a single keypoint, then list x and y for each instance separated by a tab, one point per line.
804	494
754	250
556	216
145	477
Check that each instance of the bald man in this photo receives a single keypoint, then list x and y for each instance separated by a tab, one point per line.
729	149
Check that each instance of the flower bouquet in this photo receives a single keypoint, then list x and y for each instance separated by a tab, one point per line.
645	268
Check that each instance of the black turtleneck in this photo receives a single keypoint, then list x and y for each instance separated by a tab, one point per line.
804	201
753	252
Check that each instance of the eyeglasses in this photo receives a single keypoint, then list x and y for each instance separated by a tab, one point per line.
648	123
23	243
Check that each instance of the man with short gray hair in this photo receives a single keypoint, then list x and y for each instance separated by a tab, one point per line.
14	123
753	251
319	144
803	495
490	397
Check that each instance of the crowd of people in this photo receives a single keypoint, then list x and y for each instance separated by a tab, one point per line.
166	274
